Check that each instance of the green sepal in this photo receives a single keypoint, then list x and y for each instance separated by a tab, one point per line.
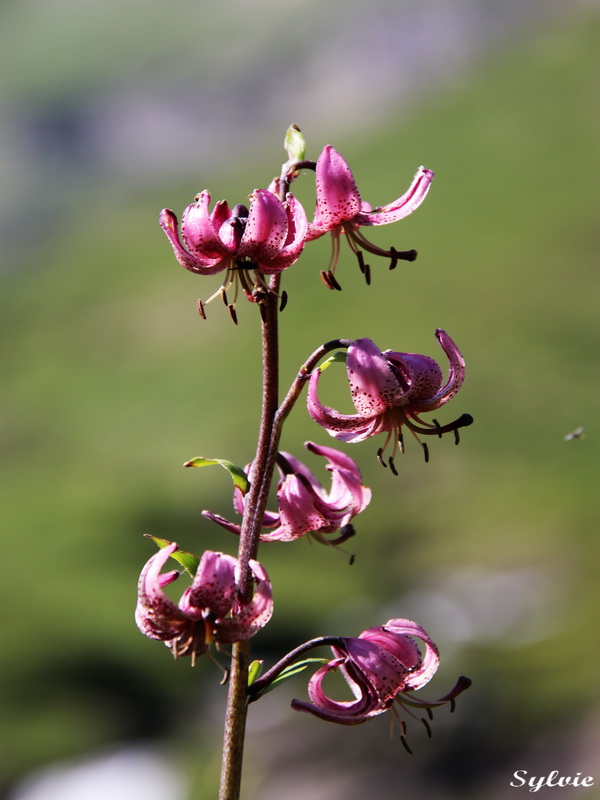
294	143
254	671
238	476
187	560
289	672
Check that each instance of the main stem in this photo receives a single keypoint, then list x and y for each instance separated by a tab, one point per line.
256	501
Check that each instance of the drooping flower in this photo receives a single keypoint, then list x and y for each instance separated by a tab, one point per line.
383	665
264	239
341	210
210	610
390	390
303	505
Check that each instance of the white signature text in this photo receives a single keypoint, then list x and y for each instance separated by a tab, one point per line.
535	783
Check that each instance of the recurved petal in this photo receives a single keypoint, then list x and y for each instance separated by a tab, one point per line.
340	426
199	228
456	374
384	671
344	712
423	374
401	207
429	661
248	618
266	228
203	265
347	492
156	615
213	589
338	198
374	386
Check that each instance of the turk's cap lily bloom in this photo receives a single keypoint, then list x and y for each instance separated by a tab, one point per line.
264	239
303	505
211	610
341	210
384	664
390	390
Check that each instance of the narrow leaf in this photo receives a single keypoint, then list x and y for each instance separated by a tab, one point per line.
238	476
187	560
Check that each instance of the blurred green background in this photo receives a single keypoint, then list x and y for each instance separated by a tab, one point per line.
111	381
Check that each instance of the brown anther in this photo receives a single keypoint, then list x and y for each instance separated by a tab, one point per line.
456	436
361	261
400	441
284	299
352	559
200	307
405	744
232	313
332	281
225	677
224	296
325	279
425	452
380	457
392	466
427	726
368	274
438	427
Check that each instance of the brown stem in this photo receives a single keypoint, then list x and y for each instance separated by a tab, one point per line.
256	502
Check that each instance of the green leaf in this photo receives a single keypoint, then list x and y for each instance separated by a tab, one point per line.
254	671
187	560
238	476
289	672
295	144
339	357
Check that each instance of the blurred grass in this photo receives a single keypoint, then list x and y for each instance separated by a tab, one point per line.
112	381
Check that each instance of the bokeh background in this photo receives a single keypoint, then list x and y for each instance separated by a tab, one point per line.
111	111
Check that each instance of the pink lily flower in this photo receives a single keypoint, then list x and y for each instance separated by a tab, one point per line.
383	665
265	239
340	210
210	610
303	505
390	390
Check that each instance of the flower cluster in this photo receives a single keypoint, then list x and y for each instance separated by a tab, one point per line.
269	236
230	599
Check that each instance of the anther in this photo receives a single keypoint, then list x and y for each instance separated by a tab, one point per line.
333	284
427	726
200	307
425	452
392	466
368	274
456	436
224	296
232	313
380	457
284	299
325	279
438	427
361	261
401	441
